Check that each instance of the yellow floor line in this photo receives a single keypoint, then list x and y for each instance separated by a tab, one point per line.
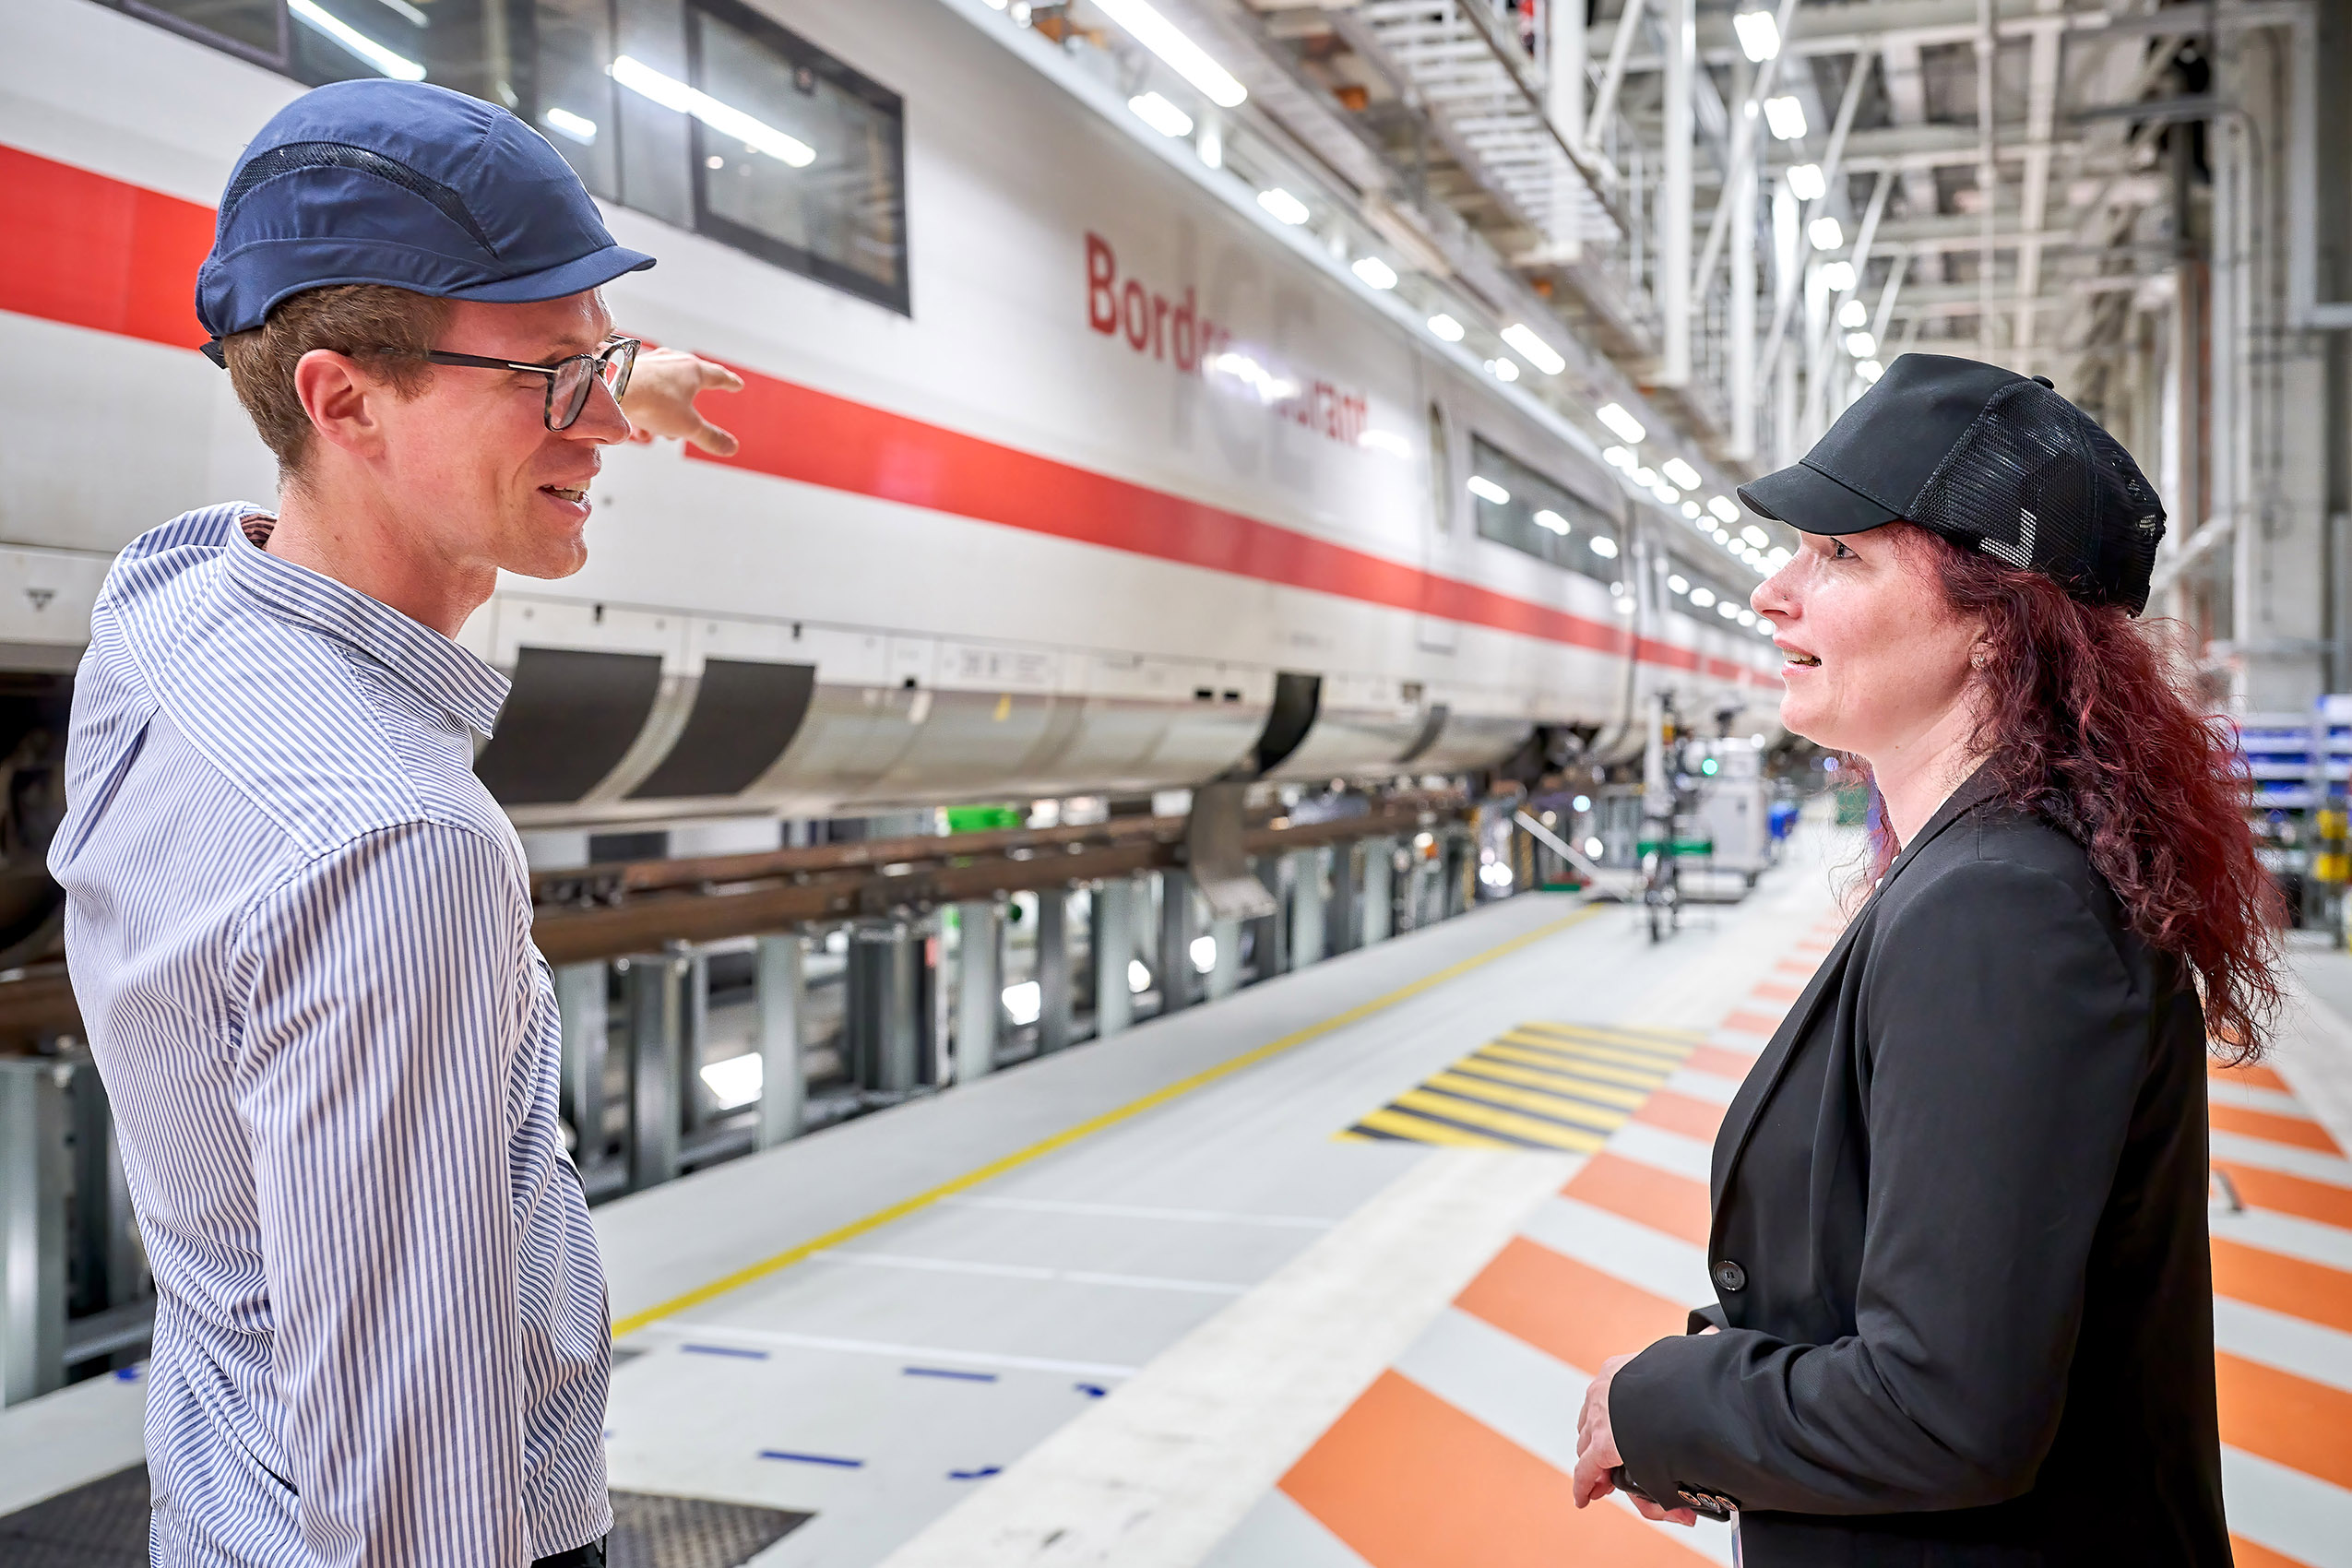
1069	1135
1665	1059
1559	1108
1660	1044
1420	1130
1510	1123
1548	1061
1576	1086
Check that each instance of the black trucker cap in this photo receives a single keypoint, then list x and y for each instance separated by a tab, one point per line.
1989	459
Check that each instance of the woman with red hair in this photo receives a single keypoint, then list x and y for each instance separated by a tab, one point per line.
1963	1305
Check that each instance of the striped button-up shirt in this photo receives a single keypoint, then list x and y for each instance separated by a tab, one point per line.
300	932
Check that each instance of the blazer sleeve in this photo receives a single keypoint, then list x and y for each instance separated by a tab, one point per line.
2005	1044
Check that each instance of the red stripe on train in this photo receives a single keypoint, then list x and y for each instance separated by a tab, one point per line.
95	252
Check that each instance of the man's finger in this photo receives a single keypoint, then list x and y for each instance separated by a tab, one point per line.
715	440
719	378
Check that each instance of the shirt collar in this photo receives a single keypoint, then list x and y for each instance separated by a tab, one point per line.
411	653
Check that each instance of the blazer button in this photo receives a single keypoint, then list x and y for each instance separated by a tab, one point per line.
1730	1275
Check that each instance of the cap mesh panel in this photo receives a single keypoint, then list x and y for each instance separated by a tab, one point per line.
297	155
2037	484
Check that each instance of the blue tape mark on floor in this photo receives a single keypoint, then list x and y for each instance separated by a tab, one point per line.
724	1351
1091	1390
833	1459
950	1372
979	1475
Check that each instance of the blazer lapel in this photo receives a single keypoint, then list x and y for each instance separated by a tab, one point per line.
1739	1120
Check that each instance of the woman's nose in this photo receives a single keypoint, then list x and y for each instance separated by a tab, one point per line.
1771	597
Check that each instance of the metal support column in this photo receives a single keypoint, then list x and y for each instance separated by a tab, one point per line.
694	1040
1225	975
580	999
1308	869
1343	926
32	1229
1674	209
657	1028
1270	934
979	986
1742	325
884	1000
780	996
1175	942
1053	970
1379	905
1114	949
105	1269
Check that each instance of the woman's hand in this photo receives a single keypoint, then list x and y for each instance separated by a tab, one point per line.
661	399
1597	1452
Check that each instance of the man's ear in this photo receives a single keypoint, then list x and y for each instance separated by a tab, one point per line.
341	398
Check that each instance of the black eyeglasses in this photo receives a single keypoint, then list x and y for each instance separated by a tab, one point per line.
569	381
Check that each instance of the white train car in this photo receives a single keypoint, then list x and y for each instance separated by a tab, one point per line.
1061	472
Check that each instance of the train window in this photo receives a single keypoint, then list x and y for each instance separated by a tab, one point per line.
805	165
256	28
1690	591
572	89
1520	507
464	45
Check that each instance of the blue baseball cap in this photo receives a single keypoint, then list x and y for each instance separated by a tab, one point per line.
407	184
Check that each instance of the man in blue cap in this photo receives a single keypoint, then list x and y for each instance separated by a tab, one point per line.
300	928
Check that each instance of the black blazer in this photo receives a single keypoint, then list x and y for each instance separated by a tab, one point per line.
1959	1242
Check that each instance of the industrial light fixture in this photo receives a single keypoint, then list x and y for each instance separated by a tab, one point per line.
1755	536
1861	345
1446	327
1502	369
1678	583
1837	276
724	118
1644	476
1679	472
1786	116
1666	492
1211	146
1747	617
1203	954
1534	349
1625	426
1870	370
1138	977
1486	489
1703	597
1722	507
1763	624
1827	233
1691	510
1759	35
1728	610
1722	537
1187	59
318	18
1806	183
1285	207
1852	314
579	127
1375	273
1603	546
1160	115
1616	458
1548	518
1024	1002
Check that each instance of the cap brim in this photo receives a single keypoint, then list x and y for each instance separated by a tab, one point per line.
591	272
1810	502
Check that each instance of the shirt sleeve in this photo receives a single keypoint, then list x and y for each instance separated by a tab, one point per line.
387	1011
2006	1046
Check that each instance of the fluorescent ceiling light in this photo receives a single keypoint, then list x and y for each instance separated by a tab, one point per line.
1691	510
1785	115
1203	954
1616	458
1504	369
1603	546
1283	205
1024	1002
579	127
1703	597
1827	233
1759	35
1160	115
1681	472
1678	583
727	120
1188	59
1853	313
1212	147
1747	617
1722	537
1722	507
735	1081
1548	518
1376	273
1138	977
1728	608
1861	345
1666	492
1487	490
1806	183
1763	624
1537	353
1755	536
1644	477
1870	370
1621	424
1446	327
1837	276
400	67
